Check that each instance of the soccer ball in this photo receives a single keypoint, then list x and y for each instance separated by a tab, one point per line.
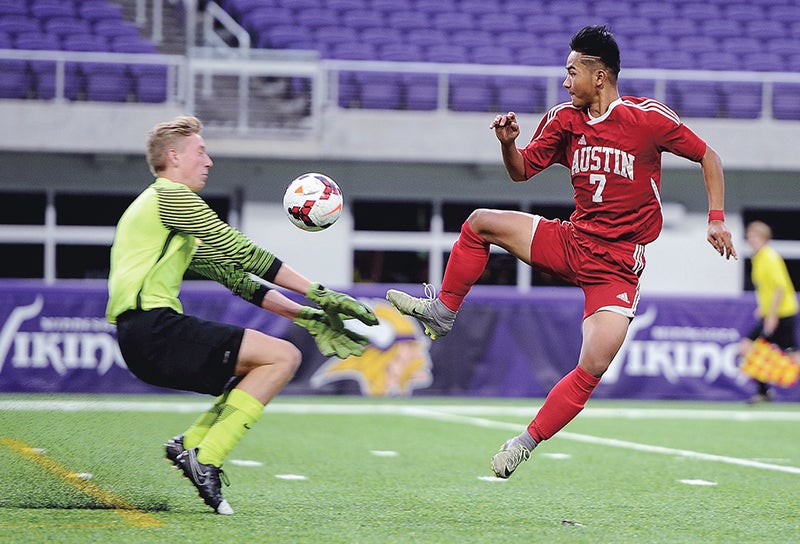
313	202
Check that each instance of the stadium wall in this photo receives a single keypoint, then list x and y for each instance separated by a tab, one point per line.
55	339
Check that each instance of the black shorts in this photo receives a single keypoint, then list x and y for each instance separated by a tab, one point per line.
177	351
784	336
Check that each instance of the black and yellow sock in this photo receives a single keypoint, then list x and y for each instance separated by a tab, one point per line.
239	413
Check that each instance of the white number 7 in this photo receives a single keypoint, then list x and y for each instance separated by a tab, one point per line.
600	180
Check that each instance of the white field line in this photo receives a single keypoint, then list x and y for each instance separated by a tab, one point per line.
452	414
689	454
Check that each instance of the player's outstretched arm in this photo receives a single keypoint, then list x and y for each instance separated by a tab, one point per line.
719	236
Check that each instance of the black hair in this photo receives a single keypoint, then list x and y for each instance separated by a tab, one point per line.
597	41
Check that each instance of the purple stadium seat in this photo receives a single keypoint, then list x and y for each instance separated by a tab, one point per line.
379	90
388	7
478	7
327	37
742	99
794	30
538	56
793	62
784	12
381	36
347	5
694	98
297	5
520	94
149	80
637	87
673	60
15	81
489	54
400	52
85	42
313	18
48	9
743	13
360	20
353	51
655	11
62	26
609	9
260	18
652	43
721	28
17	24
717	60
516	39
285	37
785	105
104	81
99	10
14	78
111	28
13	7
547	23
447	53
44	71
452	21
631	26
699	11
408	20
473	38
763	62
740	45
348	90
237	8
782	46
764	29
676	28
471	93
697	45
427	37
422	91
631	58
428	8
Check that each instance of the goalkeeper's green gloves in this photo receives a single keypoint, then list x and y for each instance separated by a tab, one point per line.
331	336
334	303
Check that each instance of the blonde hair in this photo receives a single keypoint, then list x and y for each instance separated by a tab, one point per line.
760	228
164	137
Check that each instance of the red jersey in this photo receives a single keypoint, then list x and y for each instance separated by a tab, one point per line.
615	163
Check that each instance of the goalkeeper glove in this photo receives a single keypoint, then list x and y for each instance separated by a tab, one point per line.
334	303
331	338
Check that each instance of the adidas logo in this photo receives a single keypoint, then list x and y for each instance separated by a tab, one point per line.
624	298
582	141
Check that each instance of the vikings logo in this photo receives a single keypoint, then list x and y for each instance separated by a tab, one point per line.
394	364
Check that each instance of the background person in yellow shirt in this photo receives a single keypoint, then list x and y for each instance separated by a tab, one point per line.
776	297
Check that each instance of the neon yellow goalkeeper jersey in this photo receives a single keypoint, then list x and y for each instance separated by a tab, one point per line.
769	274
168	230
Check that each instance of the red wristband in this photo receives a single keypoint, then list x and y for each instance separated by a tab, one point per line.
716	215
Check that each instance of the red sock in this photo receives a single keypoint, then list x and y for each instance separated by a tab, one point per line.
563	403
467	262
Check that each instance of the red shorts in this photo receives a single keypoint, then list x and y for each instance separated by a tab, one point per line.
608	272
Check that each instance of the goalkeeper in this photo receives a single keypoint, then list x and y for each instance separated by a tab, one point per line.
169	229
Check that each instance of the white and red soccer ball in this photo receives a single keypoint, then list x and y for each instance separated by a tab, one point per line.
313	202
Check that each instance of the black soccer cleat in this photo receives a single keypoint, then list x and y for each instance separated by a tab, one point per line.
174	447
206	478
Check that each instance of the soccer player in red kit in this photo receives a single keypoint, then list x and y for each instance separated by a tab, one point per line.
612	146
